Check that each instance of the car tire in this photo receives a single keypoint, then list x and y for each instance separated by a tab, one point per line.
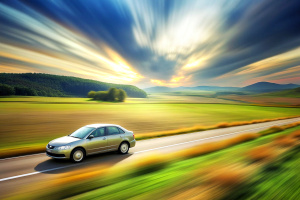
124	148
77	155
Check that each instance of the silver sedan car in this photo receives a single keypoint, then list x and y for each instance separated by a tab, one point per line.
91	139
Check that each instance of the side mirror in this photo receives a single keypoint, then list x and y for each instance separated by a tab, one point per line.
91	136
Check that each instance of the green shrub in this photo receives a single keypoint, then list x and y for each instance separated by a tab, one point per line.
91	94
113	94
100	95
122	95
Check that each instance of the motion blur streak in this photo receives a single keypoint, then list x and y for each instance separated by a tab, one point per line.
62	50
142	42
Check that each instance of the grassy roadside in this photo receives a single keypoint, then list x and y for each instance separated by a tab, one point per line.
181	174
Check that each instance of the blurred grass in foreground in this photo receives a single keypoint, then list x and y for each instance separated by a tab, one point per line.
28	124
231	173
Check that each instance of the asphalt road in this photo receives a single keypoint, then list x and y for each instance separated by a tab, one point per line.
19	171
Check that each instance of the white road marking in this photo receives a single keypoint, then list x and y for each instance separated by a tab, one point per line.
33	173
202	139
21	156
53	169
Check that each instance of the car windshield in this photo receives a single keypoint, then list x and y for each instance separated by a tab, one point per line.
82	132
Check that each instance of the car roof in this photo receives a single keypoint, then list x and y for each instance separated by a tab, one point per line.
101	125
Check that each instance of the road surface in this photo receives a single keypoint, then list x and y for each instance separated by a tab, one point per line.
16	172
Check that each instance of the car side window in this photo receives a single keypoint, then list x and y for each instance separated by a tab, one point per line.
121	131
99	132
112	130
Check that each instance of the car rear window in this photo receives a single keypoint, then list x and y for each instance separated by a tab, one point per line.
121	131
112	130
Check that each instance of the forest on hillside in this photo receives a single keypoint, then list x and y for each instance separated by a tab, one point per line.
36	84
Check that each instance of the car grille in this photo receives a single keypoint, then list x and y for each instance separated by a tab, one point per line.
50	146
56	155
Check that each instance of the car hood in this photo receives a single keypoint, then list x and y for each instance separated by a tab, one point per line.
63	141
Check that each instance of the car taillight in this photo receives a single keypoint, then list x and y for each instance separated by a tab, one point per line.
133	136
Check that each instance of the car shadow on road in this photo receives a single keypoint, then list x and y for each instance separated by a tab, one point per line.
56	166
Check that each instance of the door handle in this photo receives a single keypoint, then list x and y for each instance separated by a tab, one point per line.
104	138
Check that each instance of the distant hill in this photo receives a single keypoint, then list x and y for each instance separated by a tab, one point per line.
259	87
54	85
285	93
158	89
262	87
217	88
161	89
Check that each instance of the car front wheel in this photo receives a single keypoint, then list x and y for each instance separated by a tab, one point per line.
77	155
123	148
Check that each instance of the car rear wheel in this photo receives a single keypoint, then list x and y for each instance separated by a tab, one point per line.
77	155
123	148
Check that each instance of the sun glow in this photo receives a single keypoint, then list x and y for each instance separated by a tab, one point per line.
175	81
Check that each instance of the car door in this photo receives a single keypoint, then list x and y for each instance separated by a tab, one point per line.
114	137
98	143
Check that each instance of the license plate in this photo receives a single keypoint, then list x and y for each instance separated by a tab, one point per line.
49	150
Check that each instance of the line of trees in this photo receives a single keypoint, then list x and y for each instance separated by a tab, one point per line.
54	85
113	94
7	90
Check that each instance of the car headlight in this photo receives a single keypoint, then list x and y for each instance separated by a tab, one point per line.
63	147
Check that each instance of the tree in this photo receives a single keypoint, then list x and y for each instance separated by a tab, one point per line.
112	94
122	95
101	95
24	91
6	90
91	94
42	93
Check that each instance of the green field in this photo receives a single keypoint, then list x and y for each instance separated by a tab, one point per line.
30	121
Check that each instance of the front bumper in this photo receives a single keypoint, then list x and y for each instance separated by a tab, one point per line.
58	154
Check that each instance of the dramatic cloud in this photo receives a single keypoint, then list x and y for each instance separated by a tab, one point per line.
145	42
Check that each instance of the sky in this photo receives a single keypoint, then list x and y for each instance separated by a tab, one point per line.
154	42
